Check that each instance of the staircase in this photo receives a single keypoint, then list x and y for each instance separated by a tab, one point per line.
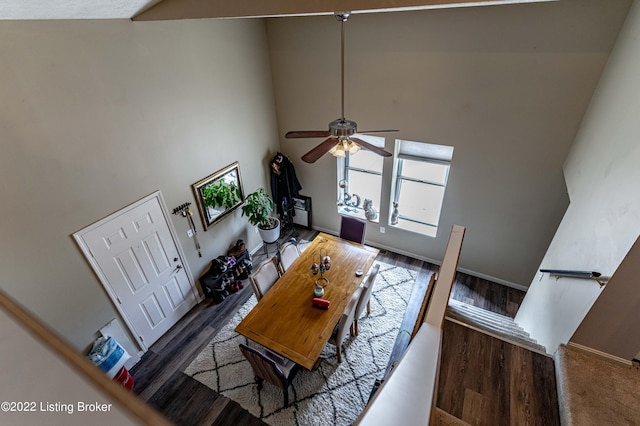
500	326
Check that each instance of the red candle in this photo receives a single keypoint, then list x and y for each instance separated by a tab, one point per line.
320	303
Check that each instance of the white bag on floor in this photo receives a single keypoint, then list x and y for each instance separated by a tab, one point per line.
108	355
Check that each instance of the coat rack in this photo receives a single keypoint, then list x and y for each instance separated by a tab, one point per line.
185	211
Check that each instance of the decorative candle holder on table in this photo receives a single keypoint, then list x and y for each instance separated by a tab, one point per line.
321	264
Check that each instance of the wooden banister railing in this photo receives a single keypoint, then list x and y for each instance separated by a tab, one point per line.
407	395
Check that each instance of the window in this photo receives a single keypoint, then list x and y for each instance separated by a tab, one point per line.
360	178
418	183
420	177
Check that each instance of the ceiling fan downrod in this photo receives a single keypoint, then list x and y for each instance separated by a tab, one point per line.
340	134
342	18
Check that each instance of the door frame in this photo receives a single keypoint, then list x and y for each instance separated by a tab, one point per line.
78	236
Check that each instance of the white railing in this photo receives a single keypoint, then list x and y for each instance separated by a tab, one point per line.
408	394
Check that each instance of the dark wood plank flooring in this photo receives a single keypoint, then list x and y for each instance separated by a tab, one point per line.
486	381
515	386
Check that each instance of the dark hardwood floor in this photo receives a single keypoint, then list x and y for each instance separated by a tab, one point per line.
483	380
487	381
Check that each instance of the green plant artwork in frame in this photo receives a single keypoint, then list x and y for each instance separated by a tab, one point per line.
219	194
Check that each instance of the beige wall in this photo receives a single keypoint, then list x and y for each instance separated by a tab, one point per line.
506	86
39	375
603	220
97	114
611	326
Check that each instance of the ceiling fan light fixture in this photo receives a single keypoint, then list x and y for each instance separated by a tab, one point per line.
339	152
353	147
341	148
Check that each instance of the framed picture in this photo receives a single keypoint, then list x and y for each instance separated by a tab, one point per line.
219	194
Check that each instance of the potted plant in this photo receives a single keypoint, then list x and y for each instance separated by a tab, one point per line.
258	207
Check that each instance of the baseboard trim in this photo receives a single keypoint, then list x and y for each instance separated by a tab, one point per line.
494	279
436	262
599	354
255	250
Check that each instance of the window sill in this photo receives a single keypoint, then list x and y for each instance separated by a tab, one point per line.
359	213
416	228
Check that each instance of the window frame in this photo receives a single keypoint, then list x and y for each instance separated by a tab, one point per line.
397	187
391	182
343	169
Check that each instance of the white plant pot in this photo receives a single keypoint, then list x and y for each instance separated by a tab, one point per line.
270	235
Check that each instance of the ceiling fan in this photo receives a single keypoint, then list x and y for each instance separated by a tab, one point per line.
340	134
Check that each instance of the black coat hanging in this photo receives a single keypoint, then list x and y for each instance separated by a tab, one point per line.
284	182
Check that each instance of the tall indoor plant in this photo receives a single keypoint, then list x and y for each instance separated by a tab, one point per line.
258	208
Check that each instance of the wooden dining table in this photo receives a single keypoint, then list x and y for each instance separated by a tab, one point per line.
286	322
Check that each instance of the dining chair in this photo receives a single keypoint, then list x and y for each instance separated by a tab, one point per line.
353	229
288	254
274	369
345	325
365	296
263	277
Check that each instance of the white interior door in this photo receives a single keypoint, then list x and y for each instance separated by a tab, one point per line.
136	256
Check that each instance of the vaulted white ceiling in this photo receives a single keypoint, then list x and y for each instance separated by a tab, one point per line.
71	9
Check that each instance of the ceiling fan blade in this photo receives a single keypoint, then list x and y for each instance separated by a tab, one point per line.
372	148
377	131
319	150
308	134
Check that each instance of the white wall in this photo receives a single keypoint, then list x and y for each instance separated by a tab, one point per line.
507	86
98	114
603	219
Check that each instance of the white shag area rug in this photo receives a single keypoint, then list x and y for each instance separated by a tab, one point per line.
334	393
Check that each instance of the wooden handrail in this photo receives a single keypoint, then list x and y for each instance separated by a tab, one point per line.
446	276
